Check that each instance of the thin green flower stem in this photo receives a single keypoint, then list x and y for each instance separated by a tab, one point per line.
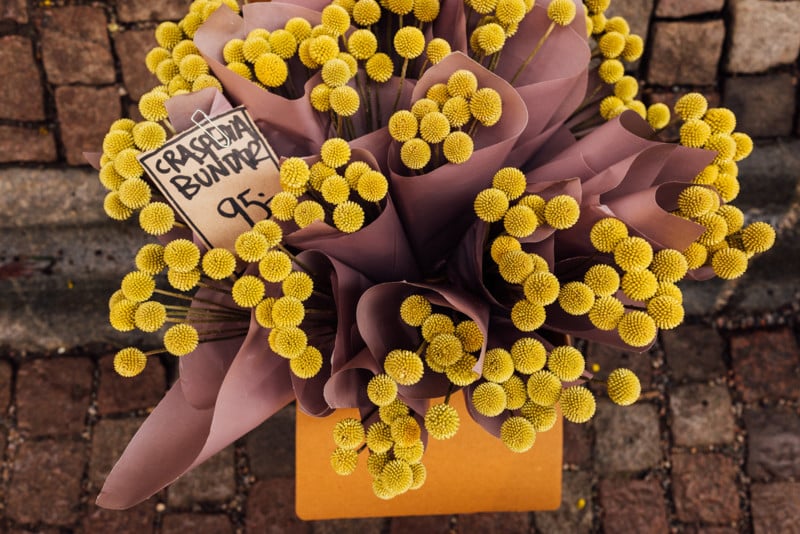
169	126
206	311
180	320
588	101
154	352
400	18
400	84
194	299
362	88
421	348
495	60
291	90
422	69
533	54
450	390
203	316
473	128
300	264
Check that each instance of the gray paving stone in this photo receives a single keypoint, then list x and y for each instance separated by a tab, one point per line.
756	27
109	439
212	482
627	439
776	508
701	415
694	352
773	444
270	447
764	105
575	514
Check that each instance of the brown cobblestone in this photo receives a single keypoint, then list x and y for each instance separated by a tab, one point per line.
575	514
117	394
694	353
676	9
19	144
633	506
776	508
197	523
75	47
15	10
85	114
109	440
764	34
773	444
578	444
701	415
433	524
46	477
627	437
687	52
764	105
43	384
213	481
704	488
6	376
275	435
610	358
772	378
136	520
132	46
495	523
636	12
372	525
138	10
21	95
270	508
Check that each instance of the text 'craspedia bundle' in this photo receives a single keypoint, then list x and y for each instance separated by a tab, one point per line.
379	204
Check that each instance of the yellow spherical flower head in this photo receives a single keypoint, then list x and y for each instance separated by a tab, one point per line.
515	266
520	221
348	217
283	205
516	392
637	329
271	69
729	263
275	266
744	145
150	316
669	265
637	106
503	244
109	177
444	350
727	186
490	37
458	147
138	286
205	81
721	120
129	362
695	133
287	312
348	433
489	399
151	106
404	367
307	212
115	298
288	342
438	93
298	285
658	116
362	44
335	190
528	316
435	324
372	186
335	72
380	67
510	12
157	218
633	254
639	285
322	48
606	313
181	339
271	230
598	23
409	42
116	141
696	255
542	287
283	43
392	411
626	88
456	109
405	430
518	434
232	51
611	44
576	298
510	181
437	49
607	233
491	205
251	246
381	390
423	106
758	237
379	440
192	66
461	373
299	27
410	454
248	291
183	281
470	335
618	24
602	279
544	388
611	71
294	173
156	56
135	193
150	259
415	154
577	404
263	313
561	12
666	311
562	212
335	152
434	127
403	126
126	164
611	106
543	418
691	106
707	176
181	255
498	365
486	106
397	477
528	355
426	10
122	315
149	135
115	208
723	145
344	461
566	363
414	310
716	229
634	47
168	34
441	421
623	387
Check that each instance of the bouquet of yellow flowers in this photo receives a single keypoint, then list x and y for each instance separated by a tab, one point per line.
379	204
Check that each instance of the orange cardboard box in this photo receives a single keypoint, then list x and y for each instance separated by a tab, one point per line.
472	472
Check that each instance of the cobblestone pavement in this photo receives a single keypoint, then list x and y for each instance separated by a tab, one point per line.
712	446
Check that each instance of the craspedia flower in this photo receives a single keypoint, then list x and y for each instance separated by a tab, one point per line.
729	263
251	246
434	127
516	392
397	476
611	71
116	141
287	311
122	315
470	335
562	12
183	281
282	43
491	38
658	116
392	411
420	475
606	313
666	311
486	106
497	365
577	404
561	212
298	285
721	120
344	101
379	438
441	421
543	418
335	72
623	387
607	233
181	339
322	48
426	10
410	454
626	88
723	145
633	254
489	399
634	47
423	106
602	279
695	133
611	106
320	97
115	208
758	237
381	390
154	57
566	363
618	24
491	205
409	42
271	69
637	329
335	189
151	106
611	44
109	177
150	316
518	434
344	461
138	286
510	181
232	51
435	324
444	350
744	145
168	34
520	221
458	147
576	298
415	154
707	176
404	367
503	244
691	106
150	259
405	430
348	217
294	172
380	67
461	373
148	135
544	388
283	205
263	313
727	186
639	285
414	310
528	355
669	265
157	218
288	342
542	287
716	229
403	126
129	362
271	230
510	11
192	66
696	255
126	164
348	433
299	27
637	106
205	81
362	44
307	212
528	316
181	255
166	70
248	291
437	49
275	266
115	298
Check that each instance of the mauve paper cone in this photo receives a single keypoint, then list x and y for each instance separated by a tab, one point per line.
435	222
182	108
346	388
451	25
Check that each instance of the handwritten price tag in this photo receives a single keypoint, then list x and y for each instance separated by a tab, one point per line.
219	175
